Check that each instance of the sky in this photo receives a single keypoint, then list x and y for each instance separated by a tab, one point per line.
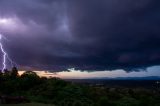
119	73
90	35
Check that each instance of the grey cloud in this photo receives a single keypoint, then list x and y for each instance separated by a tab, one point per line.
88	35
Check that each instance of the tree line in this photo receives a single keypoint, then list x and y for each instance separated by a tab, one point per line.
63	93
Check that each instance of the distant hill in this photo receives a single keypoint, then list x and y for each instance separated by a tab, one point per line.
132	78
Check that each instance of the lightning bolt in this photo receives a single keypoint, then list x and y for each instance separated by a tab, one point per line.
5	55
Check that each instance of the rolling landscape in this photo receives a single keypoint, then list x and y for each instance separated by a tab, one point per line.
79	53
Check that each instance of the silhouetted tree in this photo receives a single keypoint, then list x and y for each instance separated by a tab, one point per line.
1	76
1	73
6	74
6	71
29	79
14	72
30	74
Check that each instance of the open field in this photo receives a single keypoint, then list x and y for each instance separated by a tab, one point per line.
27	104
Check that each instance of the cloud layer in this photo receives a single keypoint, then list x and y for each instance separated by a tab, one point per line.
88	35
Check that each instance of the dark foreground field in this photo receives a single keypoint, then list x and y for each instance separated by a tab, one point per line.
27	104
30	88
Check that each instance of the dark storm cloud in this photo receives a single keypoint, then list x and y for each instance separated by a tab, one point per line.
88	35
